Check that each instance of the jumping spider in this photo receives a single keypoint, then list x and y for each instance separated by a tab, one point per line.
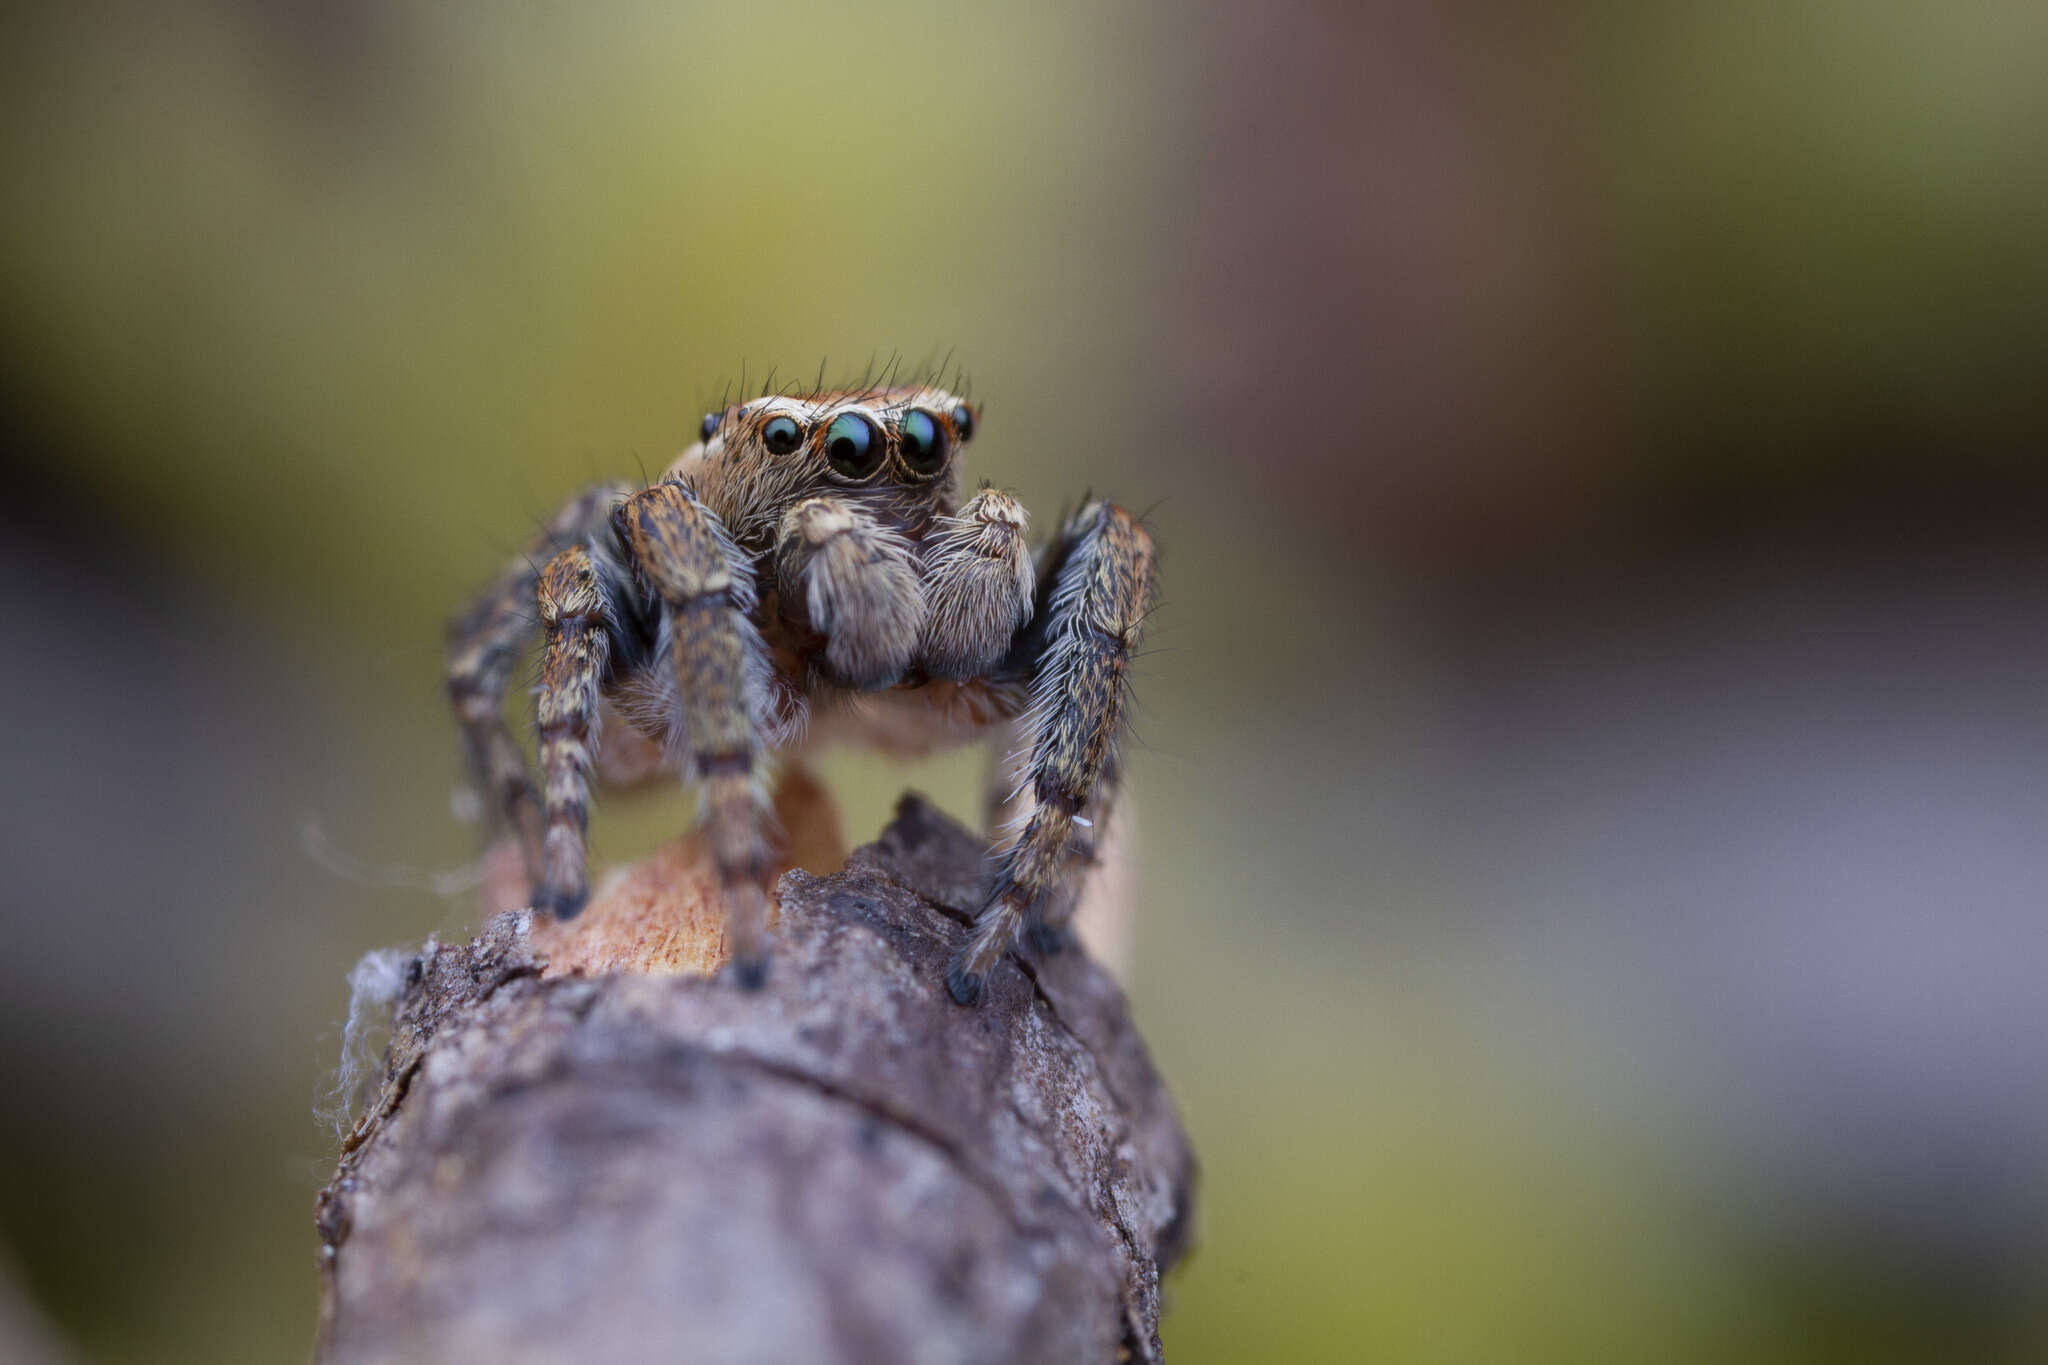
807	570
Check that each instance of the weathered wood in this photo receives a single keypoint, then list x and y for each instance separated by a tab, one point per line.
641	1163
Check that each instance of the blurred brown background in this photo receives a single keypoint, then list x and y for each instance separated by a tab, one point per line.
1594	765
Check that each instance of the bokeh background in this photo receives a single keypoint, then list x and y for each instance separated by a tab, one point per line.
1594	762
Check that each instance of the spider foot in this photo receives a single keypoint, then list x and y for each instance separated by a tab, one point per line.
748	973
1048	940
964	986
562	904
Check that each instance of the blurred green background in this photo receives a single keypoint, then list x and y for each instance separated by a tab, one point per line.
1591	773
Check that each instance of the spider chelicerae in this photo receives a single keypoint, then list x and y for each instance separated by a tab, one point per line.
807	571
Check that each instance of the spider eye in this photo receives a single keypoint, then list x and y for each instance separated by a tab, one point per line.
923	442
710	425
963	421
782	435
854	446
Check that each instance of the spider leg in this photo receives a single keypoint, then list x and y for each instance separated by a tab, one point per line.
858	581
706	587
484	645
1101	574
1009	801
577	618
1048	933
978	582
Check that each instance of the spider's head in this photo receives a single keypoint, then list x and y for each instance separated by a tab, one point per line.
895	438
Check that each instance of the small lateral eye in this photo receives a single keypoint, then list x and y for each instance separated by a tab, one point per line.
782	435
853	446
710	425
923	442
963	421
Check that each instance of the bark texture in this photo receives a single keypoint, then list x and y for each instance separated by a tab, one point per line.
585	1149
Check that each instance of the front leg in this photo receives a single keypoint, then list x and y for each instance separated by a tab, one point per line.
484	646
706	589
1009	799
1101	572
579	625
858	582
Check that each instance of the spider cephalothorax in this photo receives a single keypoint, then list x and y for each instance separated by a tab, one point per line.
810	557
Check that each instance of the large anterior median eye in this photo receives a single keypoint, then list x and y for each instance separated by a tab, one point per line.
782	435
923	442
854	446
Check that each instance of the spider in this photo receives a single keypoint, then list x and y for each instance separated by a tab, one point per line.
807	571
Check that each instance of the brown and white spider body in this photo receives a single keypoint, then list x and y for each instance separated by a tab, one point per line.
809	564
